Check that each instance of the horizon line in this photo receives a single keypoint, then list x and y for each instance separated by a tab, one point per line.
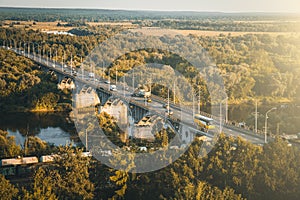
153	10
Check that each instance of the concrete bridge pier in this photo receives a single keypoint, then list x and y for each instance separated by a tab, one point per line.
103	95
186	134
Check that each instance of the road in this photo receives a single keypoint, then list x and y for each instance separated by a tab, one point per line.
156	106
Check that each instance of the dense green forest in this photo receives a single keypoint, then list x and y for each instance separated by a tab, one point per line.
260	66
264	66
234	169
25	87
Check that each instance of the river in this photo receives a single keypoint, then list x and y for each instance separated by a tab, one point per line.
55	128
58	128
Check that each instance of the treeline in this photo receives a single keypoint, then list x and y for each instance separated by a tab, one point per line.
224	25
233	169
96	15
24	87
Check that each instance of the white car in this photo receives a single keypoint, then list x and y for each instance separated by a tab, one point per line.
113	88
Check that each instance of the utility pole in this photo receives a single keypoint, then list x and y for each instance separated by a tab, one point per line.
63	60
86	140
133	79
94	71
199	100
103	73
226	108
71	64
150	84
168	102
256	116
174	92
28	49
266	122
193	103
39	53
124	85
33	50
116	74
47	57
220	117
55	62
109	79
24	49
82	71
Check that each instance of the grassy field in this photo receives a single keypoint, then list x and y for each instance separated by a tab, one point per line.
43	26
52	26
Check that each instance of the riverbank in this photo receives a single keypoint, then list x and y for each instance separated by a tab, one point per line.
63	107
53	127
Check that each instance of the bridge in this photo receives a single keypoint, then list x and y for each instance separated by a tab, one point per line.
138	107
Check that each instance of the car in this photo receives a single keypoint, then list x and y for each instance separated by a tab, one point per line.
107	82
113	88
149	100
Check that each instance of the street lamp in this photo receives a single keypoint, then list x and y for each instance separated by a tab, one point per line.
221	114
266	122
256	115
116	74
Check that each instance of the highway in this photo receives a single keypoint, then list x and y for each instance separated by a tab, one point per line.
155	107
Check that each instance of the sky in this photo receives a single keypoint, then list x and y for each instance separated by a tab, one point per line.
292	6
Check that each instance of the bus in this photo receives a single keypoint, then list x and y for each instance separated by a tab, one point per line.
205	123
